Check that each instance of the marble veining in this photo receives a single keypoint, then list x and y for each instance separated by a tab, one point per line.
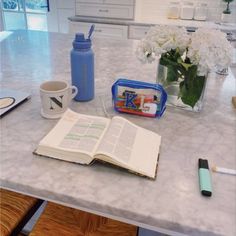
171	202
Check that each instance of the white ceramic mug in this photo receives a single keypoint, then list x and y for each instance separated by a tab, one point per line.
55	98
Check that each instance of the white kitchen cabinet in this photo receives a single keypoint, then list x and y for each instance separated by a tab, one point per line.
105	10
117	2
66	4
52	20
120	2
101	30
90	1
1	22
58	15
63	22
65	9
138	32
123	9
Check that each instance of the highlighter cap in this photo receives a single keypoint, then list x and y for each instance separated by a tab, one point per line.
204	178
203	164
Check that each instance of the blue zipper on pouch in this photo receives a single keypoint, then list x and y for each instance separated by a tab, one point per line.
139	98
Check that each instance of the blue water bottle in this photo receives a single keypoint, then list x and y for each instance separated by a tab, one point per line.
82	66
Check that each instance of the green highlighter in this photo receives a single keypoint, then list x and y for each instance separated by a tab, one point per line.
204	178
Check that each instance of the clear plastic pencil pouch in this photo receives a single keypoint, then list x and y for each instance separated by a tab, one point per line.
139	98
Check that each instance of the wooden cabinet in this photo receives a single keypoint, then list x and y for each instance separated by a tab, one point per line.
101	30
138	32
106	8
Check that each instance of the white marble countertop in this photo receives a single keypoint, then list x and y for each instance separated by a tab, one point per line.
171	203
161	21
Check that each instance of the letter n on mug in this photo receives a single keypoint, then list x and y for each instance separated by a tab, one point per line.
55	102
55	98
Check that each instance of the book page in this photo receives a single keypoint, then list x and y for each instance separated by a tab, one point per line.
77	132
131	146
119	140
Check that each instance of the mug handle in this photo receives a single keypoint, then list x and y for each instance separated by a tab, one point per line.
74	91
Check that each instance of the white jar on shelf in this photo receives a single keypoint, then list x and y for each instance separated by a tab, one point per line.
187	11
201	11
173	10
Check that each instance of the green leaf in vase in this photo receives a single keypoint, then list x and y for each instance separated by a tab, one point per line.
191	90
172	73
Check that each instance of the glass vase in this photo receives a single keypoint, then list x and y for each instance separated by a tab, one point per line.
173	91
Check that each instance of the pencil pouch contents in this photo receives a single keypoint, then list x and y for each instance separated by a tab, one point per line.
139	98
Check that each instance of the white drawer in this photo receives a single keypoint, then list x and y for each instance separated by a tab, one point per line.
119	2
116	2
108	11
101	30
138	32
89	1
66	4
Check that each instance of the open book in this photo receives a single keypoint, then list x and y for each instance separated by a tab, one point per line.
83	139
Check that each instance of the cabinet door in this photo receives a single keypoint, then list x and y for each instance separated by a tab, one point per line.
107	11
137	32
120	2
101	30
116	2
90	1
66	4
52	17
63	22
1	22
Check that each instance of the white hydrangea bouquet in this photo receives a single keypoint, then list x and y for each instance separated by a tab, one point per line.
188	57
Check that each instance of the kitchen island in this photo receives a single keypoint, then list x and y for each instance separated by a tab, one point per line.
171	204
